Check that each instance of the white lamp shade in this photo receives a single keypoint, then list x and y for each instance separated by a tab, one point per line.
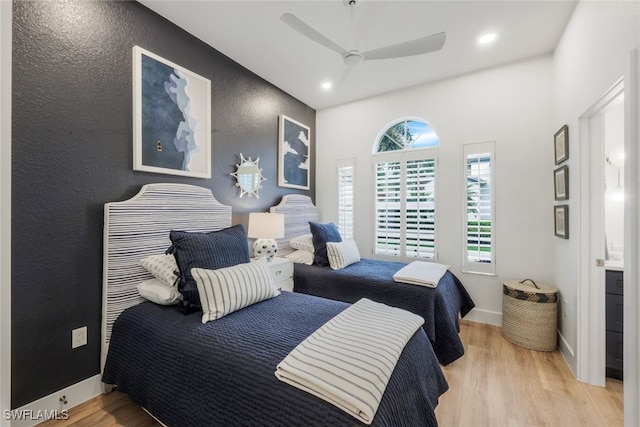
266	225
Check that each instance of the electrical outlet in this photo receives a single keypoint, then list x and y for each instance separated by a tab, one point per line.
564	307
79	337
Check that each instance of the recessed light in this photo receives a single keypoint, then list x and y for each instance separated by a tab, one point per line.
487	38
326	85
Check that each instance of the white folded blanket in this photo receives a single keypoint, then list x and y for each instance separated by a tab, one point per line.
349	360
421	273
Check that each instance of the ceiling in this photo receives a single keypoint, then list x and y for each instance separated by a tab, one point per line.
252	34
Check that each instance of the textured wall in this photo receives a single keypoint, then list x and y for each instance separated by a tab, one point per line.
72	152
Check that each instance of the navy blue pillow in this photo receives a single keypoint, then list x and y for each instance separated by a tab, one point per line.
323	233
217	249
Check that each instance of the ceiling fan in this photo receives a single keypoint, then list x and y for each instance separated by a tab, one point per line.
353	57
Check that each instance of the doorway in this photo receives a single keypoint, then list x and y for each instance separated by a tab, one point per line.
602	127
590	303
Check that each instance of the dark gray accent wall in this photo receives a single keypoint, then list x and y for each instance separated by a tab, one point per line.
72	152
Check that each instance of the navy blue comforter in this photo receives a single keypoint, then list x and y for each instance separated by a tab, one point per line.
373	279
221	373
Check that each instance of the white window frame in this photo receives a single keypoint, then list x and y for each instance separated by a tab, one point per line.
346	224
402	157
473	266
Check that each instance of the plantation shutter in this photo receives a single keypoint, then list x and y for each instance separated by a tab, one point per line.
479	224
420	209
388	237
405	204
346	177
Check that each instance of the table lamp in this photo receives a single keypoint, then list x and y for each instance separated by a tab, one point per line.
265	228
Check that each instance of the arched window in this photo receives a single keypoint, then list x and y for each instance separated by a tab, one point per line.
405	160
409	133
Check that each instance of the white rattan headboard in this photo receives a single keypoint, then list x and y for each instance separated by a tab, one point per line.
139	227
298	210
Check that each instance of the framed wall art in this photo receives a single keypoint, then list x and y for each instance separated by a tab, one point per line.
561	221
171	117
561	183
561	144
294	154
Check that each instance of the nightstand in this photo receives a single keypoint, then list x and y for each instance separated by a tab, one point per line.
282	270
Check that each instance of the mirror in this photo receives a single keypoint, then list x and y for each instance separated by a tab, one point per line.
248	176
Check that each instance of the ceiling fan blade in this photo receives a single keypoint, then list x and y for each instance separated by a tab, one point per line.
307	31
341	76
414	47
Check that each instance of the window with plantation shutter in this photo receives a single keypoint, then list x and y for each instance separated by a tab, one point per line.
405	176
420	208
388	208
479	223
346	182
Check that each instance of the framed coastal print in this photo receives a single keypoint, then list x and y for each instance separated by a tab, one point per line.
561	144
561	221
561	183
294	154
171	117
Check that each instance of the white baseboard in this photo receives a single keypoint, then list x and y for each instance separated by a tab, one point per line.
568	354
50	407
484	316
564	345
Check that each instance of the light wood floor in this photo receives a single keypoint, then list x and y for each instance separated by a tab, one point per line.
495	383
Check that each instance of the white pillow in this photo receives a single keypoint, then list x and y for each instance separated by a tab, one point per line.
225	290
342	254
156	291
162	267
301	257
302	243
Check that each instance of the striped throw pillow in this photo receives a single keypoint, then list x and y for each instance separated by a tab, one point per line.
229	289
342	254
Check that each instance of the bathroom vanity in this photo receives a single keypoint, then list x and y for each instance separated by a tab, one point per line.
614	316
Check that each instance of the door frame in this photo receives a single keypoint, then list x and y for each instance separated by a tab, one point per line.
591	297
591	289
631	275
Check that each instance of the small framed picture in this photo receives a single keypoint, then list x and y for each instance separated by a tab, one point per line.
561	221
561	141
561	183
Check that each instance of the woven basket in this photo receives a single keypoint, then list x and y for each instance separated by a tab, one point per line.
530	314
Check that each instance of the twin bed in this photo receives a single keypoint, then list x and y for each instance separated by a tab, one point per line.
222	372
439	306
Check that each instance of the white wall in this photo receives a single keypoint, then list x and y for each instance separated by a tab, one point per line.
595	51
592	55
510	105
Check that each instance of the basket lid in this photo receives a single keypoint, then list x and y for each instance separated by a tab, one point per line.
530	286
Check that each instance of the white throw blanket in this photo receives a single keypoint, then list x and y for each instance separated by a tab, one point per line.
421	273
349	360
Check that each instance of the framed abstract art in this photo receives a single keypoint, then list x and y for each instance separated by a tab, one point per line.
294	154
171	117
